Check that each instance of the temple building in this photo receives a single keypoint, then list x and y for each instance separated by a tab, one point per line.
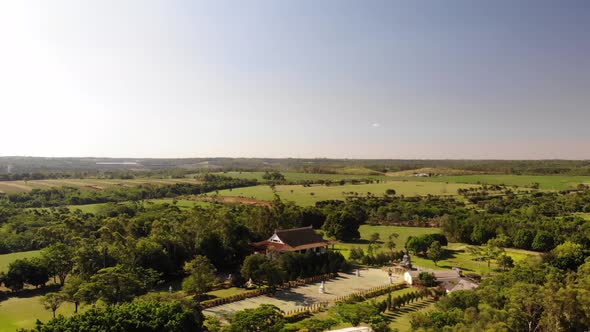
300	240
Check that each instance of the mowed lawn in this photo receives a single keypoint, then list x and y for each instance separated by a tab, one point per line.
85	184
456	254
7	258
384	232
546	182
23	312
307	196
16	313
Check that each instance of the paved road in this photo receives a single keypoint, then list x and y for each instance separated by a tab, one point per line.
303	296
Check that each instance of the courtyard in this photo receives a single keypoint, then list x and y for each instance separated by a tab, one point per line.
303	296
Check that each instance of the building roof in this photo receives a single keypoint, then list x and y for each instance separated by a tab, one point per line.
293	239
463	284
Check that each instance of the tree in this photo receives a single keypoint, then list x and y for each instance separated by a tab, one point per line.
273	176
31	271
435	252
427	279
137	316
417	245
59	260
356	253
543	241
265	318
116	284
568	255
505	262
16	275
390	192
37	273
201	276
70	290
88	259
262	269
488	252
52	301
374	237
343	225
523	239
525	307
390	244
251	267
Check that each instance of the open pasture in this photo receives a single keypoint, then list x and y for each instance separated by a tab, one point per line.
6	259
181	203
85	184
294	176
307	196
546	182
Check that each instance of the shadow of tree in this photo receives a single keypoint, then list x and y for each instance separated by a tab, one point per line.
28	292
290	296
391	316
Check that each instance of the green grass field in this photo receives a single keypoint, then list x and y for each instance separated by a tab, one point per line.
384	232
181	203
7	258
307	196
546	182
16	313
457	254
84	184
292	176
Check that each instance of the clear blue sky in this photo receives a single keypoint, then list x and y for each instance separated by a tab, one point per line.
357	79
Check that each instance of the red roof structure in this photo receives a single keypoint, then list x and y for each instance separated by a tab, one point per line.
296	240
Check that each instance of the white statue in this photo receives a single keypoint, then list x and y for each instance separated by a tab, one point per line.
322	287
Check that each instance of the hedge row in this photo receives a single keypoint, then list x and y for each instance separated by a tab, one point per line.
369	293
304	312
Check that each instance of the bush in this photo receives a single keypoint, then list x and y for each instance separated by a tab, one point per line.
427	279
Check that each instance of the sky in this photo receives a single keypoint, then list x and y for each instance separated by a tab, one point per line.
461	79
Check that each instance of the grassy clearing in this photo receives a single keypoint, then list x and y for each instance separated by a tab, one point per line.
227	292
8	258
16	313
546	182
307	196
85	184
456	254
181	203
384	232
292	176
